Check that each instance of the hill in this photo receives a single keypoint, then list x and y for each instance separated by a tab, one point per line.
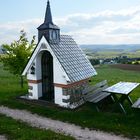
111	51
120	48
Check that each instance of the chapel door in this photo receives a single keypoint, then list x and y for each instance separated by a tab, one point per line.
47	76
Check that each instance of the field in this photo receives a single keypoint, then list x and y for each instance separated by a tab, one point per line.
112	54
127	67
85	116
111	51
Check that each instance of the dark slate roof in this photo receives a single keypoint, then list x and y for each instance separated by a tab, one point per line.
48	14
48	26
72	59
48	22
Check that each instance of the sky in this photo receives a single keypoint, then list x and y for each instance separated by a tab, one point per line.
88	21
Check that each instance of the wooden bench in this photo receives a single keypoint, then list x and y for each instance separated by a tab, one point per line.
136	104
95	94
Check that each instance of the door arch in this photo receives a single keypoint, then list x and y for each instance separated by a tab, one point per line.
47	76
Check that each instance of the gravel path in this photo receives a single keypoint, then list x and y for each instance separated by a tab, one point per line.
58	126
2	138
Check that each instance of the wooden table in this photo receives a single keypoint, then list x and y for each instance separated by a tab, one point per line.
123	89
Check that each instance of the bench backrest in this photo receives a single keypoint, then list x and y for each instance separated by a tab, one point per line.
93	91
91	88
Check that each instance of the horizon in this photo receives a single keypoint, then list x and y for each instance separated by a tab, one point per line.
91	22
96	44
109	44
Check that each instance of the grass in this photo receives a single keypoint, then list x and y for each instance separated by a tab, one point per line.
12	129
114	75
15	130
86	116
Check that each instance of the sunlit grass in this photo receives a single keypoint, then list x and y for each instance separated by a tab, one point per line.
85	116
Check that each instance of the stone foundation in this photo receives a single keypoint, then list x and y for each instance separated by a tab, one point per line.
75	95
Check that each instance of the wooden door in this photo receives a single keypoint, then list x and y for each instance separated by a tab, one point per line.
47	76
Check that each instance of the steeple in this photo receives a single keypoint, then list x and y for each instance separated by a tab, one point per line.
48	29
48	15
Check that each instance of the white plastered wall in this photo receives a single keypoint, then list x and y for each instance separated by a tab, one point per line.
36	87
59	97
60	77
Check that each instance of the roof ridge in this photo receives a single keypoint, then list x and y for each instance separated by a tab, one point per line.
62	35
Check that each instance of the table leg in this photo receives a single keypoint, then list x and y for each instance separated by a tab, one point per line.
115	98
125	97
122	98
129	100
112	98
119	101
122	108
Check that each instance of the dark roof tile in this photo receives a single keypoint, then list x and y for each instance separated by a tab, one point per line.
72	59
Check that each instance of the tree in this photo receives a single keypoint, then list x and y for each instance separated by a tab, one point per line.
94	61
17	54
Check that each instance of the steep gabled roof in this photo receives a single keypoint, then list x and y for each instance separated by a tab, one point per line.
72	59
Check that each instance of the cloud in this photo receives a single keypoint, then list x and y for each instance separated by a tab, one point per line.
113	27
10	31
105	27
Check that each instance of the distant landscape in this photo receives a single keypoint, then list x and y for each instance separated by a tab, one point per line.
111	51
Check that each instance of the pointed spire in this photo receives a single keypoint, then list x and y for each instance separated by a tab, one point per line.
48	15
48	27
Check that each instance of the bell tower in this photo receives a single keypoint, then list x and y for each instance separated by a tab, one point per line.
48	29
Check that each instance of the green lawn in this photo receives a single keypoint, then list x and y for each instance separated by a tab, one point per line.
15	130
85	116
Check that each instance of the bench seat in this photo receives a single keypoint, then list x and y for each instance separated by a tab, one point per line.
95	94
136	104
100	97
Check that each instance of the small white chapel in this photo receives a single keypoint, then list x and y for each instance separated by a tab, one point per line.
58	70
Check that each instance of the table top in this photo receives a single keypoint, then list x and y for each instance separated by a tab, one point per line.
122	88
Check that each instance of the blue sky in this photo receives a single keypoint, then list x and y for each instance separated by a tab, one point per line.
88	21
